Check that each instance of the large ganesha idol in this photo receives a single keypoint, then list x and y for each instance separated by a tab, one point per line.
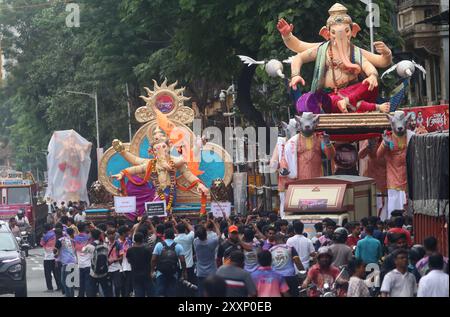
164	161
345	76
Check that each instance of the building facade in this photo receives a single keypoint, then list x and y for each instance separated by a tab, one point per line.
423	25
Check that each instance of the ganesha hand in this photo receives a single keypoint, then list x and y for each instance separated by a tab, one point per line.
118	145
385	107
342	106
202	189
382	48
284	28
118	176
296	80
372	81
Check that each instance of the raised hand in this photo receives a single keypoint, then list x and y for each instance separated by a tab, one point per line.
382	48
386	139
118	145
284	28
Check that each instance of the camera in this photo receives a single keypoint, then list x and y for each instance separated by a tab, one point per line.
188	285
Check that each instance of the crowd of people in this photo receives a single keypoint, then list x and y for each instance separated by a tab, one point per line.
258	255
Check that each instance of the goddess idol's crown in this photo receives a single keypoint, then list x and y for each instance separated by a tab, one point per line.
338	15
157	135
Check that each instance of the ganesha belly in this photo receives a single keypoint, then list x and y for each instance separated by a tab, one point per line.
342	70
154	179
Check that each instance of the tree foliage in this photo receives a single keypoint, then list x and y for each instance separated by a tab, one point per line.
134	41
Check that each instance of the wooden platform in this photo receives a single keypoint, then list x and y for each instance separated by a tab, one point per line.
353	123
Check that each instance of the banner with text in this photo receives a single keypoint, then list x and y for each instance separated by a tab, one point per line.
432	118
217	208
125	205
157	208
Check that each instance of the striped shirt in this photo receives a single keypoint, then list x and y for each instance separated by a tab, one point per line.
239	282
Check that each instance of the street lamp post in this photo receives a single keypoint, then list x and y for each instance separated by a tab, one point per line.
93	96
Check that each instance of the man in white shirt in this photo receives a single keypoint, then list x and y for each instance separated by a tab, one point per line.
185	238
435	283
399	282
80	216
84	258
301	244
126	243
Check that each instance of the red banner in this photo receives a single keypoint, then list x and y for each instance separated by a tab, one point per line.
432	118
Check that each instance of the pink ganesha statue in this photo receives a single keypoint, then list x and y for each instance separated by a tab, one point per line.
343	72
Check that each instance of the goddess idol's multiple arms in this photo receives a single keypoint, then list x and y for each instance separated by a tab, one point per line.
381	60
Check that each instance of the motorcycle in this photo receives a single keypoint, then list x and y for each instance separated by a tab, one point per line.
327	290
25	244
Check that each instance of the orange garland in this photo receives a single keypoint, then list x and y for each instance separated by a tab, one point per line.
203	199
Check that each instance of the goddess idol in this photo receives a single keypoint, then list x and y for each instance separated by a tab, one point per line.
165	160
160	181
172	160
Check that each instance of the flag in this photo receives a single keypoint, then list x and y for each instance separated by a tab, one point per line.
398	95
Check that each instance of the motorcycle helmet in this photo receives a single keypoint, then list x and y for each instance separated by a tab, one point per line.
324	251
416	253
340	235
21	213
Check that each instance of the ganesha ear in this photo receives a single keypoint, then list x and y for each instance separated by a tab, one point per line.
355	29
325	33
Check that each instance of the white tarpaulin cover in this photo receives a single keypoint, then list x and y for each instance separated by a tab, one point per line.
68	163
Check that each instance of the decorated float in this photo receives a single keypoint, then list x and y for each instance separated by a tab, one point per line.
344	106
165	161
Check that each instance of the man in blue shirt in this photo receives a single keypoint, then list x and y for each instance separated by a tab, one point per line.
165	262
369	249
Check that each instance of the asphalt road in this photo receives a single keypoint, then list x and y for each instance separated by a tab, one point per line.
35	276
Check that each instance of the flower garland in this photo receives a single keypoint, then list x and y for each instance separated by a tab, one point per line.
173	181
152	175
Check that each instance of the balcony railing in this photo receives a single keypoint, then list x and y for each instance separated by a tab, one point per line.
405	4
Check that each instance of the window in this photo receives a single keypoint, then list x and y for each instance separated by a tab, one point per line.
18	195
7	242
428	13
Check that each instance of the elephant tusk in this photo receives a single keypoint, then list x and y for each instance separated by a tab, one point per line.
409	72
280	73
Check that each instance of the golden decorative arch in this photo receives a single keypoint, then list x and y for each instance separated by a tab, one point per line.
168	100
105	179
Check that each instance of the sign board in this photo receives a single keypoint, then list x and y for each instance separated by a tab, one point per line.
12	182
432	118
157	208
315	197
218	207
306	204
125	205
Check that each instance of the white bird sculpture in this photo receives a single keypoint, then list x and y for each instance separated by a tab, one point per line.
273	67
405	69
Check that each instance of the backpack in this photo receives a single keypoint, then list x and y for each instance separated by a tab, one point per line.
99	263
168	260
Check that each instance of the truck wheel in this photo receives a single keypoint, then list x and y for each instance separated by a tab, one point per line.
22	292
